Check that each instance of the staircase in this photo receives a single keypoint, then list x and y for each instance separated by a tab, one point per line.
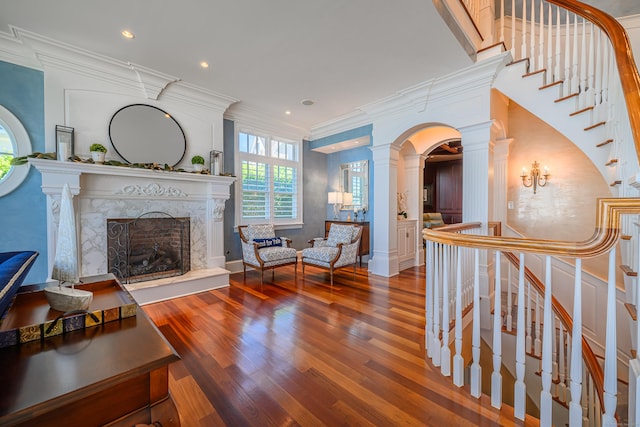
570	67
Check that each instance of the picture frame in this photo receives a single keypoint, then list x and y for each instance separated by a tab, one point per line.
64	142
428	194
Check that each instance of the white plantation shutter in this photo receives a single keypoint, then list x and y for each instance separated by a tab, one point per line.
270	180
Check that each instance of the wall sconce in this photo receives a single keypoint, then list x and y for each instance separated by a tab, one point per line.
534	178
335	198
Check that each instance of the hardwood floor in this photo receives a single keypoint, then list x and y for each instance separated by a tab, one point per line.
300	353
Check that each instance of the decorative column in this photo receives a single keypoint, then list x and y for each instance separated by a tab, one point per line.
385	175
414	178
501	179
477	199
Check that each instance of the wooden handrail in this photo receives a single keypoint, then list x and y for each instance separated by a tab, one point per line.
605	236
627	69
589	357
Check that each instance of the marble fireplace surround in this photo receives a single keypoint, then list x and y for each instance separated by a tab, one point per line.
101	192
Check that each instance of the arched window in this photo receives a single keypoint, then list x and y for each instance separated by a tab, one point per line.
14	142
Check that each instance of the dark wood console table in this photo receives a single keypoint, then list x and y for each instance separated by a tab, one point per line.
364	240
113	374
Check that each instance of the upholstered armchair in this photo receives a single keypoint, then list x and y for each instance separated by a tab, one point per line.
338	250
262	250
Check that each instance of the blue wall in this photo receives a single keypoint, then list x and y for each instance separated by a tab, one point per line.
314	183
23	211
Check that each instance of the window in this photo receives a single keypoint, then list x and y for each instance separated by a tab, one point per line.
270	180
14	142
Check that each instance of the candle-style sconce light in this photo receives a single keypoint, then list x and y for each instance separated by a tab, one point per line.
534	178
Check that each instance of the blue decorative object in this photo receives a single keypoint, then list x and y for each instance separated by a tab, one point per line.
268	242
14	267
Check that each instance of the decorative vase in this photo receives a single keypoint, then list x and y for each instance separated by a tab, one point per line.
97	156
197	167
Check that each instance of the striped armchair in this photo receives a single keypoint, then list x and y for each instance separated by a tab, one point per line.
262	250
338	250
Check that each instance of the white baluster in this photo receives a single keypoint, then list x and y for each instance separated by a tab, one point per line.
458	361
520	388
513	29
566	87
476	369
562	386
496	377
549	66
429	299
575	79
436	305
554	355
634	364
546	408
524	51
502	21
610	349
541	39
445	353
532	42
591	69
558	62
509	317
582	66
537	343
528	339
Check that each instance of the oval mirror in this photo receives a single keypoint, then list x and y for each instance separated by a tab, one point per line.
143	133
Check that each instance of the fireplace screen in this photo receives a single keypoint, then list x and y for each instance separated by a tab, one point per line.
152	246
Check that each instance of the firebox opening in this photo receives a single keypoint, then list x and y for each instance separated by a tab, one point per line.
152	246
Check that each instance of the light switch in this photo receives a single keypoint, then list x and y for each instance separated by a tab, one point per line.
510	204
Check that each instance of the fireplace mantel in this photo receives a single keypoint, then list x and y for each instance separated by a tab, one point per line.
102	192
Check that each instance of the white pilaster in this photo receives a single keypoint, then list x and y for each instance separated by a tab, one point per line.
500	179
385	174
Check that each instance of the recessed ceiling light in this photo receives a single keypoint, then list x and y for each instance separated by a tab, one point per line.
204	64
288	113
128	34
307	102
356	142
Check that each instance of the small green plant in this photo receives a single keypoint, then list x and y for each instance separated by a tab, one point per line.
98	147
197	160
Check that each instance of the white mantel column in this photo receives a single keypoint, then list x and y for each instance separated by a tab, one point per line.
477	199
385	175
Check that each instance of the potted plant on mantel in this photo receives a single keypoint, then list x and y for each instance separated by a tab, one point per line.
98	152
198	163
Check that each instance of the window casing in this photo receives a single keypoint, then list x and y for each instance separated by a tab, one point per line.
14	142
270	180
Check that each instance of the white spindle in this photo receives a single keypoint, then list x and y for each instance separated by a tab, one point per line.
558	61
546	401
513	29
541	38
429	298
549	65
476	369
458	361
496	376
537	343
634	365
528	339
524	30
502	21
445	352
582	66
575	79
436	305
562	386
566	87
532	42
520	388
591	68
509	317
610	349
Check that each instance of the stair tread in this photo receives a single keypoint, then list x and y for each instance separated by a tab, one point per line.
564	98
602	144
547	86
611	162
595	125
614	183
584	110
631	309
533	73
628	271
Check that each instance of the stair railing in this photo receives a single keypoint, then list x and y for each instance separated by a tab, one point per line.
588	55
462	246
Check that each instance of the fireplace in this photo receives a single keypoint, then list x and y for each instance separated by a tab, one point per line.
152	246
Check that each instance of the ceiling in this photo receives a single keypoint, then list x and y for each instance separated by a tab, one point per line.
270	55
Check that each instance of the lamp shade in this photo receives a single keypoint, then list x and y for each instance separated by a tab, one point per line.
347	198
335	197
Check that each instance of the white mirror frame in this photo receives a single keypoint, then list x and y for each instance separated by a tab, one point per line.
19	136
347	172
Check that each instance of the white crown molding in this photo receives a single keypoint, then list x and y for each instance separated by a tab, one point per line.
152	81
343	123
153	84
476	77
244	115
13	50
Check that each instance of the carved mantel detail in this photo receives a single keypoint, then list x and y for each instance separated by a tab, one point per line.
151	190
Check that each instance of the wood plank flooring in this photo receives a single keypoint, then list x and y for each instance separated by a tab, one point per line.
300	353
